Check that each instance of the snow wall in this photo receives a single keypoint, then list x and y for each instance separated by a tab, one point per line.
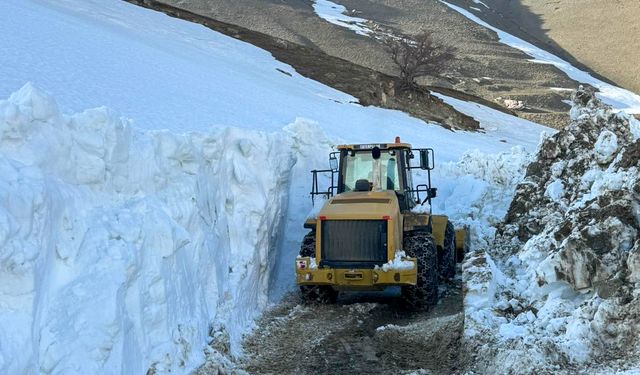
123	249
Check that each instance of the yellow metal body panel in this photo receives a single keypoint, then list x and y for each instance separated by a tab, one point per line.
364	205
461	239
463	243
355	279
438	225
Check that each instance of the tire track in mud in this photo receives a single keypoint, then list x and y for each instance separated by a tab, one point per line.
361	333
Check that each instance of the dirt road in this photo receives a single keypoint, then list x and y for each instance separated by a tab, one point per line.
361	334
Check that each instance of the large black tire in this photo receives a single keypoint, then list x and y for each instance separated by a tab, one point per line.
419	244
447	255
315	293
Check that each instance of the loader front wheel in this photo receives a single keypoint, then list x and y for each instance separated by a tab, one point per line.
420	245
315	293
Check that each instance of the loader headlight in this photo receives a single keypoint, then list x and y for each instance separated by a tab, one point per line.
301	264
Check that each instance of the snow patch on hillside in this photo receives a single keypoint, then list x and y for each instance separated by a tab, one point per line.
519	132
121	249
336	14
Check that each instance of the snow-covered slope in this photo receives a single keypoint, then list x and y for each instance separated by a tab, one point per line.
126	243
170	74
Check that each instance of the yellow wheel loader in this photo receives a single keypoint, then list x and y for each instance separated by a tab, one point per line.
367	236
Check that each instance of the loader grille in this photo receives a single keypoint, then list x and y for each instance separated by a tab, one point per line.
353	243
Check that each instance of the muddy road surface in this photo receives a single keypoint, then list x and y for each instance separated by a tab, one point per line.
360	334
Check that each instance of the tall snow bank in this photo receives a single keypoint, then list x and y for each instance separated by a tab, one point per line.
311	147
122	250
567	257
475	191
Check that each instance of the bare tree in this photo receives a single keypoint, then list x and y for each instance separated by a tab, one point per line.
417	56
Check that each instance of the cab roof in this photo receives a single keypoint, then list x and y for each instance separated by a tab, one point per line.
369	146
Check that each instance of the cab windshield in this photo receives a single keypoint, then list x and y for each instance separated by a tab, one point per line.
361	166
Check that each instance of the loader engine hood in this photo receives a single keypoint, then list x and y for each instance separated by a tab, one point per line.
359	230
367	205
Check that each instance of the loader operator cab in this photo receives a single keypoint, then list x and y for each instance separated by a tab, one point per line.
378	167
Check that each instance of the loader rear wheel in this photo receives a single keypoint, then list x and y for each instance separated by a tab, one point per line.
447	256
419	244
315	293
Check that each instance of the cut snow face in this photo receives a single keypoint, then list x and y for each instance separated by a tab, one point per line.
618	98
560	286
120	248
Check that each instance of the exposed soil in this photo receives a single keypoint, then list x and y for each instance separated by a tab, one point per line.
361	334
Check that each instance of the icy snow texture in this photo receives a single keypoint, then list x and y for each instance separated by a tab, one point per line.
606	146
617	97
118	246
555	190
559	286
397	263
476	190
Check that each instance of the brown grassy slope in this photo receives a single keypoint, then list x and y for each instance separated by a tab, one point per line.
602	35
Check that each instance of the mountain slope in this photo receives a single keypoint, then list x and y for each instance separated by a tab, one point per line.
600	34
482	65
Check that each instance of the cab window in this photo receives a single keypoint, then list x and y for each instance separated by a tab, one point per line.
361	164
